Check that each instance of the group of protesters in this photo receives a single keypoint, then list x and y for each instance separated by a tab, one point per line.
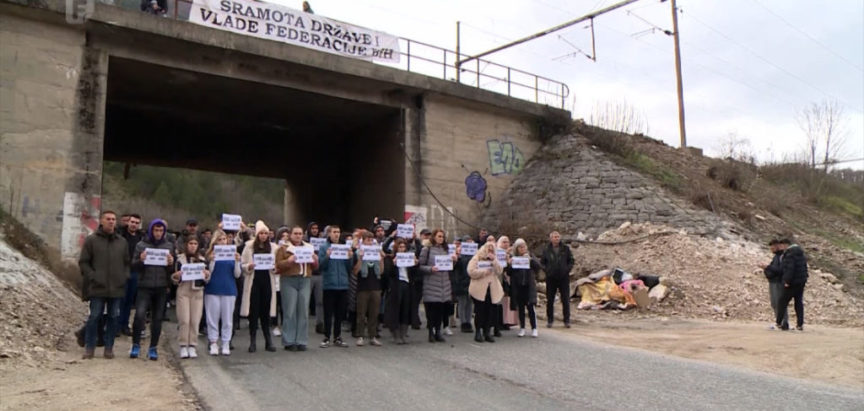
368	277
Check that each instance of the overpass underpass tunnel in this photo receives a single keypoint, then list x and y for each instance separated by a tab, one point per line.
340	160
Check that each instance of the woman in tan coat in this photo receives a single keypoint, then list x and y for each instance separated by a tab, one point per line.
485	290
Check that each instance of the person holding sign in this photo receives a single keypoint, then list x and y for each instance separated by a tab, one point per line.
190	299
295	262
464	305
259	293
334	275
484	270
400	268
155	272
220	293
312	237
522	271
368	270
507	316
437	291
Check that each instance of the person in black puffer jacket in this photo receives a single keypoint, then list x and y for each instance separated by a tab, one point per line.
794	263
774	274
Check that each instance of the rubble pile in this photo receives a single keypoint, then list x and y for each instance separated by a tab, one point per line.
37	311
710	278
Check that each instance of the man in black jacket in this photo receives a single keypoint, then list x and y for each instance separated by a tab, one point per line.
557	262
774	274
132	233
794	264
104	264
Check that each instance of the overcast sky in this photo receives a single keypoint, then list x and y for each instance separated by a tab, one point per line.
748	65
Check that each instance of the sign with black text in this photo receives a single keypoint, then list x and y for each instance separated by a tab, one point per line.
231	222
303	255
444	263
192	272
224	252
501	255
469	248
405	231
285	25
405	259
264	261
371	252
317	242
156	256
521	262
339	251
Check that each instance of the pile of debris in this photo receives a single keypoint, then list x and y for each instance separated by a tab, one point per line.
703	277
37	311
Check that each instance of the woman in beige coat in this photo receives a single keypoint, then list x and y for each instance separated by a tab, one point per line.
485	289
259	292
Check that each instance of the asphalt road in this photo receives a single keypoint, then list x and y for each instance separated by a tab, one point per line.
558	370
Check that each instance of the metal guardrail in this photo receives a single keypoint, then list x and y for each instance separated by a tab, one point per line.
423	58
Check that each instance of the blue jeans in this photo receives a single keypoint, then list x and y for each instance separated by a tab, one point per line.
97	307
128	300
295	292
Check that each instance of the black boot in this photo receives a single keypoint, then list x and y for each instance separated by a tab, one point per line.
268	341
497	331
488	335
431	335
438	336
477	335
252	345
403	334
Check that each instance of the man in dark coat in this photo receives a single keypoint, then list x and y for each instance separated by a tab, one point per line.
774	272
557	262
104	263
794	278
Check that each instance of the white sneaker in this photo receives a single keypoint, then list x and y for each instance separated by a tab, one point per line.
521	332
361	342
214	349
447	331
184	352
226	348
193	352
276	332
534	333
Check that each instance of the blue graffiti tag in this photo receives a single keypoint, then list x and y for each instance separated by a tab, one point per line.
504	158
475	187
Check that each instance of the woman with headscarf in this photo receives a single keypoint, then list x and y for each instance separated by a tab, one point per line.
259	294
437	291
485	289
523	286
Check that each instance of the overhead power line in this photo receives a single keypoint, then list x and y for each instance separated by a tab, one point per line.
808	36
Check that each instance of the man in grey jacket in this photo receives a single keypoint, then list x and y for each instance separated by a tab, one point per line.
104	264
153	281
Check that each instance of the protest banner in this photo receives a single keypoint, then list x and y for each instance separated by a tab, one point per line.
224	252
405	259
156	256
521	262
444	263
303	255
405	231
231	222
339	251
286	25
192	272
264	261
371	252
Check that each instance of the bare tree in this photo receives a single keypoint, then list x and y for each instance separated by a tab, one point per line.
822	124
734	147
619	116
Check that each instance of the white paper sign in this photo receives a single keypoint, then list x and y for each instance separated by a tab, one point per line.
371	252
339	252
521	262
303	255
405	259
405	231
156	256
444	263
469	248
231	222
192	272
224	252
264	261
501	255
451	250
484	265
285	25
317	242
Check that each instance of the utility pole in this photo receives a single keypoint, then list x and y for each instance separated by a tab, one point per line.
678	76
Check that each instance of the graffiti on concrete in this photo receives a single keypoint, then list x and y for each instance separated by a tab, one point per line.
415	215
430	217
475	187
504	158
80	219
